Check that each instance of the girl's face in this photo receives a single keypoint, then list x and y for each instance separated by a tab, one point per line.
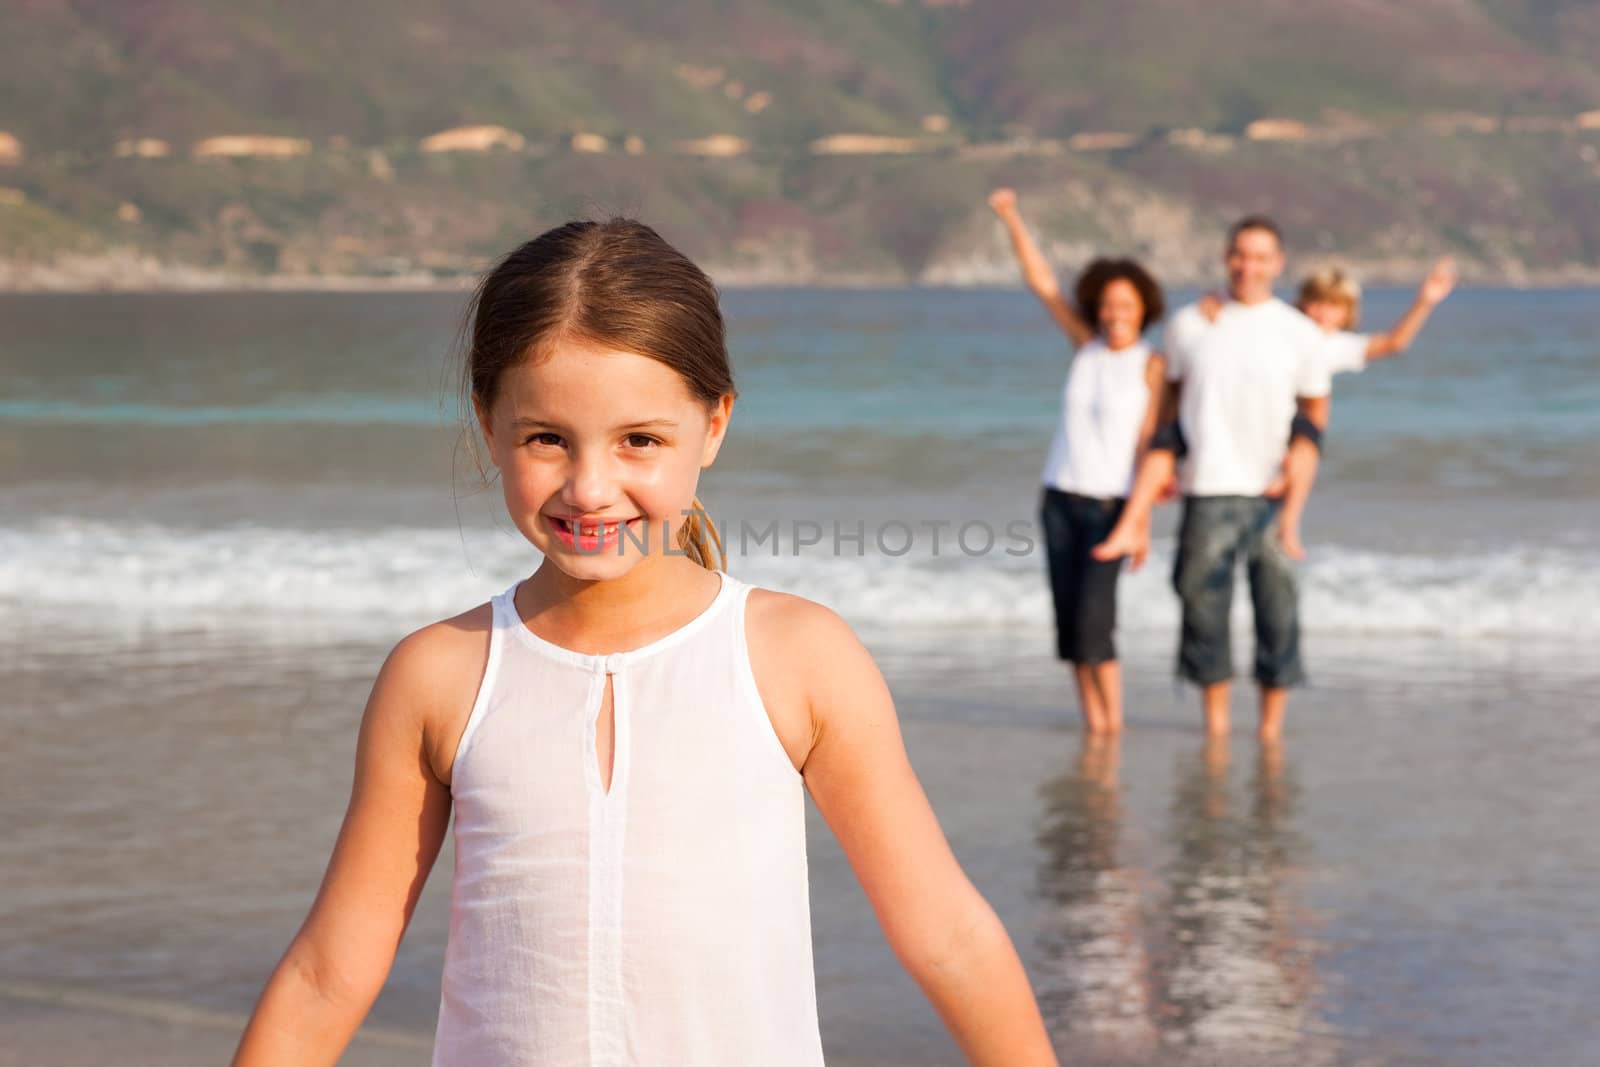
1121	310
600	452
1331	315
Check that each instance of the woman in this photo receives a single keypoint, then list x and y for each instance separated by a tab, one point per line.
1109	410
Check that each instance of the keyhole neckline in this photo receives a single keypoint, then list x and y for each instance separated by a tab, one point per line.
612	662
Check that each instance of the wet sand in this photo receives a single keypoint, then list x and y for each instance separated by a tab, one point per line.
1408	880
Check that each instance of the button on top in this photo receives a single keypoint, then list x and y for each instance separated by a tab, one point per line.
613	663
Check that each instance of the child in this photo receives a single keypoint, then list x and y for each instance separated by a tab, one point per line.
1332	299
624	737
1109	409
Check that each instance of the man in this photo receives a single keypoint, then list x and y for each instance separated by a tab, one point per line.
1241	387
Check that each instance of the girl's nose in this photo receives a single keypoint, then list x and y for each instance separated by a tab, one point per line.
589	486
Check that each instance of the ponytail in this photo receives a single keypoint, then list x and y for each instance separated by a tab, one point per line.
699	539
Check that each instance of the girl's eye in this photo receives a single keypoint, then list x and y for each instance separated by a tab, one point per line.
550	439
640	440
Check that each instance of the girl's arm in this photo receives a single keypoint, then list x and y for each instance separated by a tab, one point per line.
1438	284
943	932
1036	269
395	823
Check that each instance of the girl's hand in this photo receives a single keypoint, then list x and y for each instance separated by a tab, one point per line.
1003	201
1439	282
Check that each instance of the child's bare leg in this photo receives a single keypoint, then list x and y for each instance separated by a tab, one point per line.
1091	701
1274	702
1300	474
1131	535
1215	699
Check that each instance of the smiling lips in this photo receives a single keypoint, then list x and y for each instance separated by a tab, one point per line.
589	535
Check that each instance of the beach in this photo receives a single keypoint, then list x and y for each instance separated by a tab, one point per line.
223	510
1407	881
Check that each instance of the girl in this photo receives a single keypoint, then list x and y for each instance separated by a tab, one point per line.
1109	410
624	737
1332	299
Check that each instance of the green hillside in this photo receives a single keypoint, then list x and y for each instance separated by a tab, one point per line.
1427	126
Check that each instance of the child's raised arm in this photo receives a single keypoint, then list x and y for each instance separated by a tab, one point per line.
399	810
941	929
1435	287
1036	269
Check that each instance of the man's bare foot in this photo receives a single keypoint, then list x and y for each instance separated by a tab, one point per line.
1126	540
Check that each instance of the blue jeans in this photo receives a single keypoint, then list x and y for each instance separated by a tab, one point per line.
1216	532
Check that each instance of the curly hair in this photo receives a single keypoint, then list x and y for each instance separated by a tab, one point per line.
1101	273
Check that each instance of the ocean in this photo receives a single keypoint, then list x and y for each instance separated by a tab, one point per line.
220	510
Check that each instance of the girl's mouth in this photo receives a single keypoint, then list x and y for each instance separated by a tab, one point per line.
591	535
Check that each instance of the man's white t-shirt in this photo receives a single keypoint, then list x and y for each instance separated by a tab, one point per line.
1241	376
1346	352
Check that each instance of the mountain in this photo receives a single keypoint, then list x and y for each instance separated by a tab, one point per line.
200	141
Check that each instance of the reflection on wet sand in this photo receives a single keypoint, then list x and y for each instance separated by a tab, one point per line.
1236	973
1096	980
1219	966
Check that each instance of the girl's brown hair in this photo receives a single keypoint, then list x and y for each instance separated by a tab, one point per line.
617	284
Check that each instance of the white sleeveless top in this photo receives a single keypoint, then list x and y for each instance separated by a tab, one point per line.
666	921
1103	405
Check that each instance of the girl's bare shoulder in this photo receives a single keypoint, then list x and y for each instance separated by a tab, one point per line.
795	620
802	655
434	673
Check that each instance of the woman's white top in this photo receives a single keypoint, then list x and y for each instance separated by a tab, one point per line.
1103	405
665	921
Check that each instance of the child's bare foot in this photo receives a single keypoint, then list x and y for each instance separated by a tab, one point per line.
1131	540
